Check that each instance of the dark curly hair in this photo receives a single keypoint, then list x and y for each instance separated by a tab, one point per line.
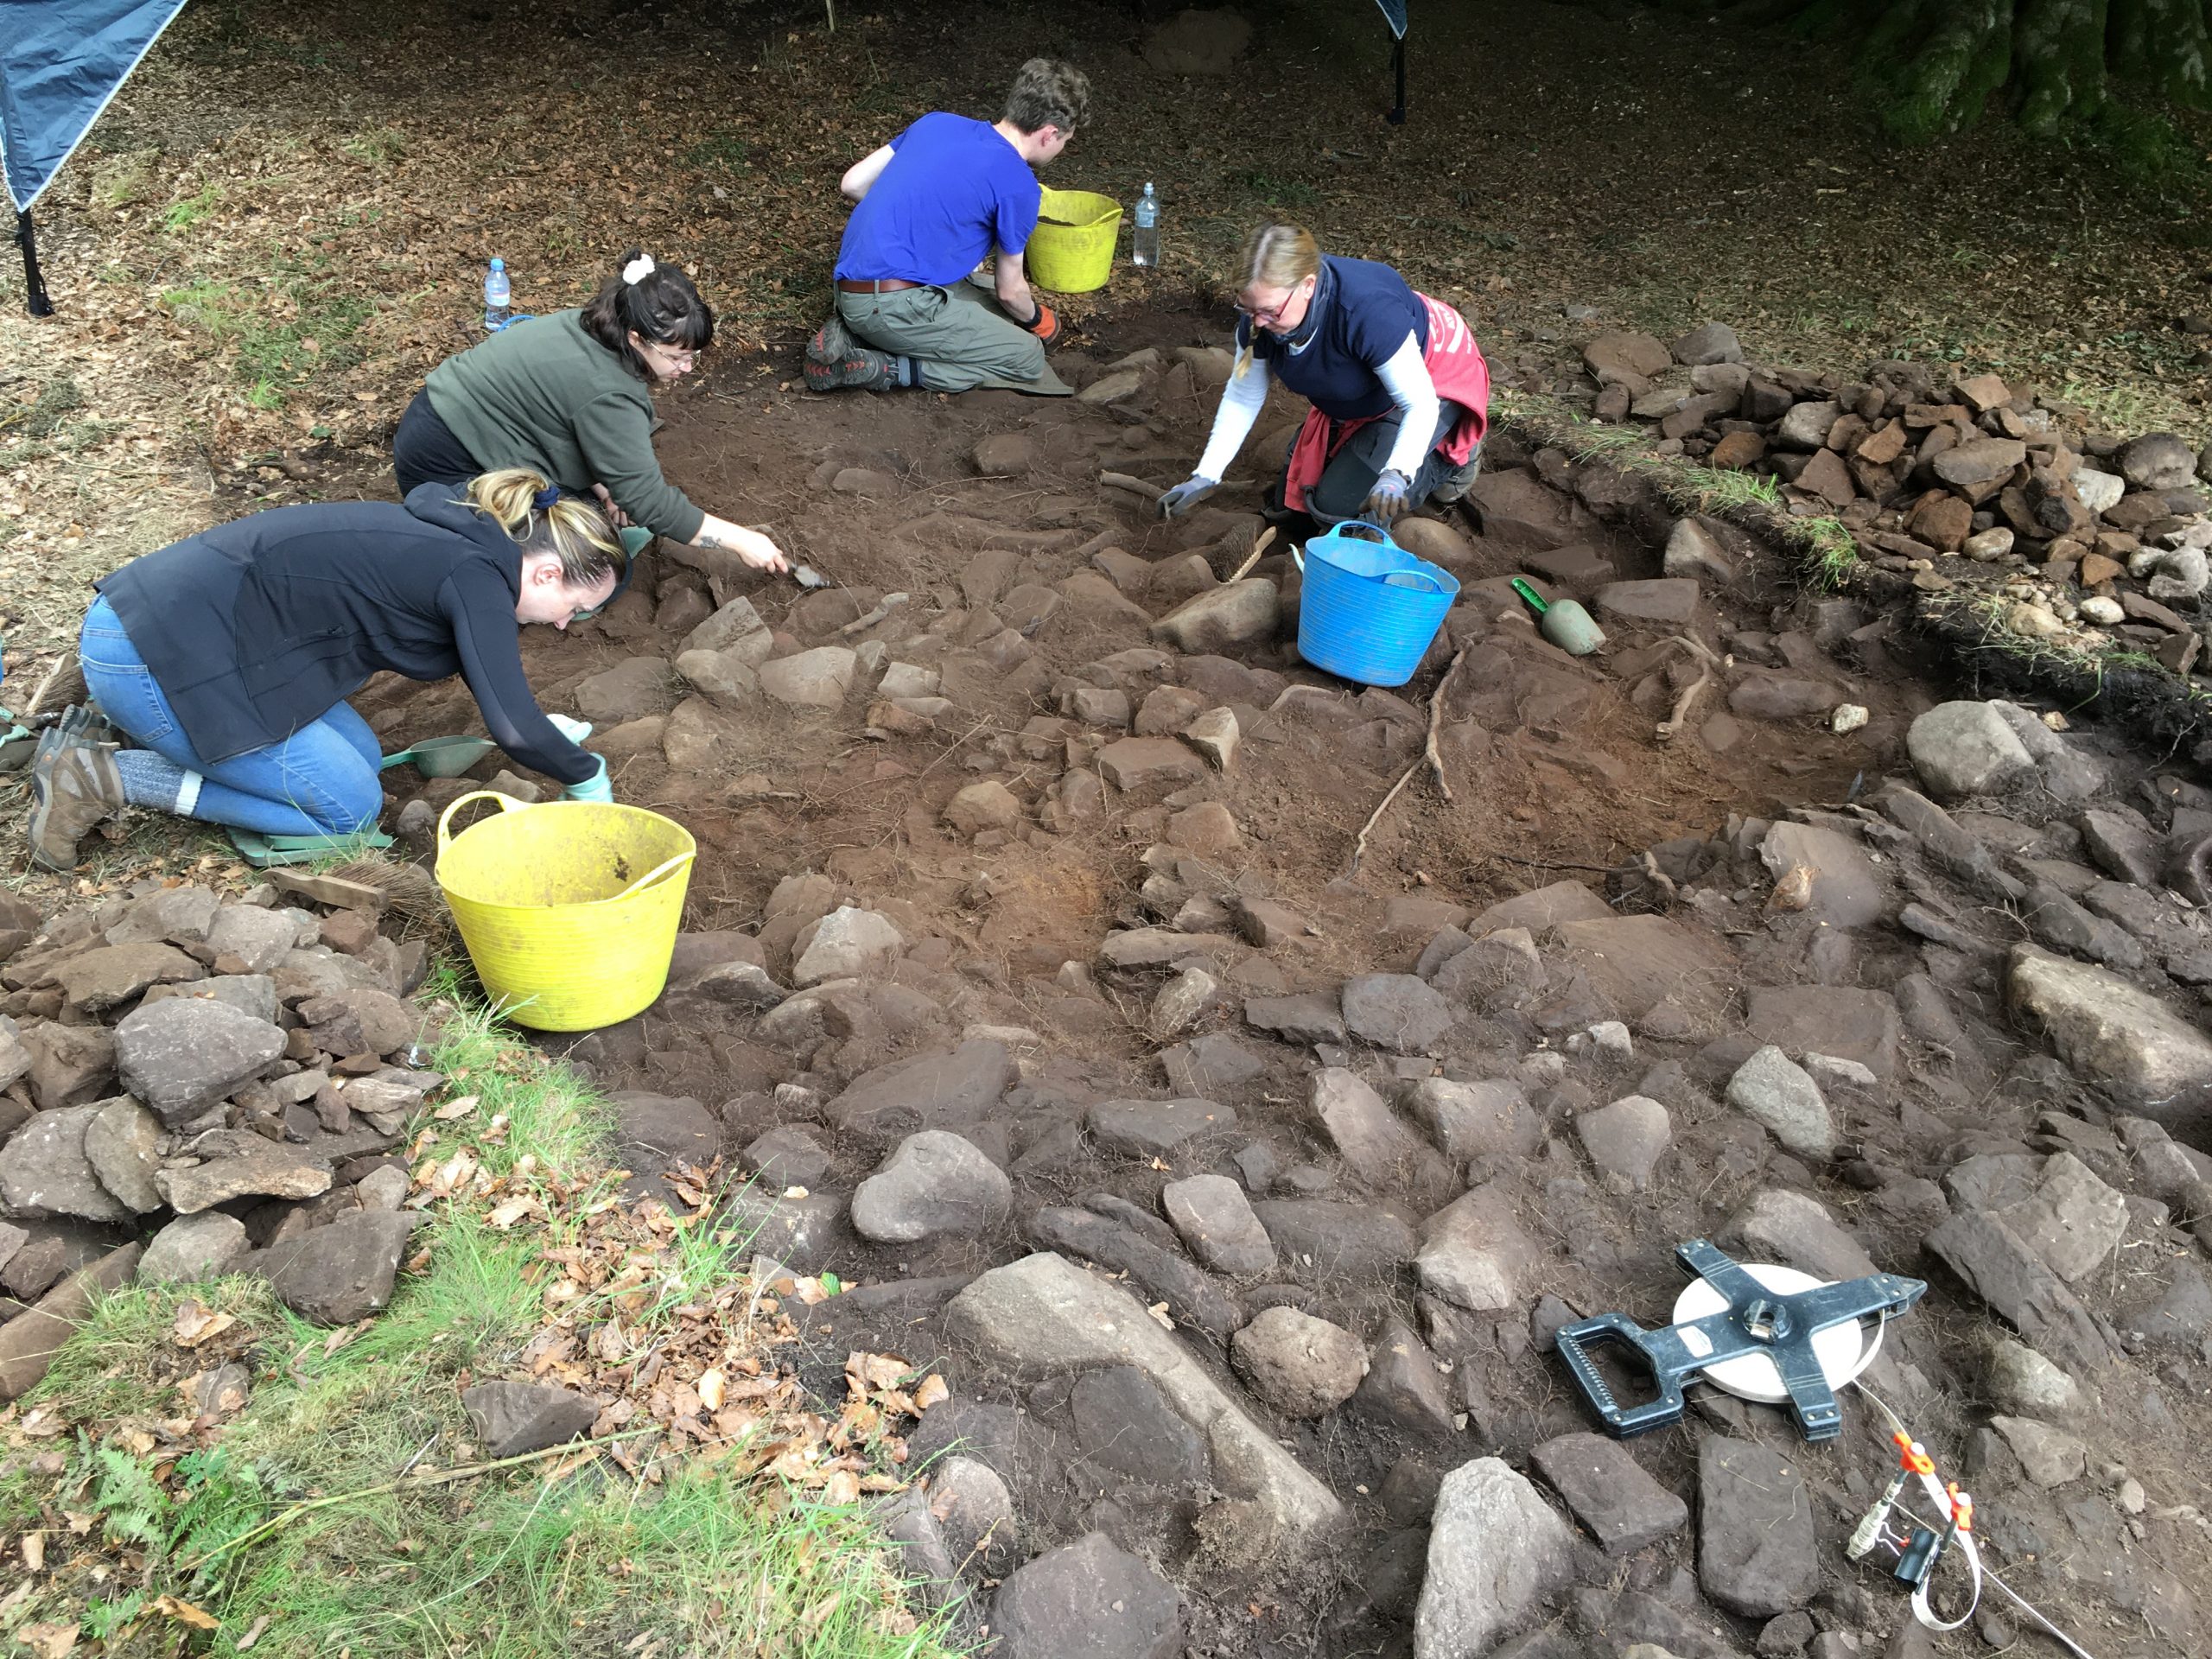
662	306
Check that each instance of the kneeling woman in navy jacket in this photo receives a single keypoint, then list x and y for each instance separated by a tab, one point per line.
229	656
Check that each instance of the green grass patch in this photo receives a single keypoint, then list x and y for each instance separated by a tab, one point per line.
311	1519
721	150
379	146
187	211
275	349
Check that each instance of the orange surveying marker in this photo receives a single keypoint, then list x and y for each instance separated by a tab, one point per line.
1912	1460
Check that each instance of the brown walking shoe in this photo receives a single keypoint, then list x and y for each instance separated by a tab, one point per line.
73	787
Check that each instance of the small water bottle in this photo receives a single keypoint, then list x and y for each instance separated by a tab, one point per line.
498	312
1144	242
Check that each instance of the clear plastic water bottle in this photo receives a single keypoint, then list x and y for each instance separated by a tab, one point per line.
1144	241
498	310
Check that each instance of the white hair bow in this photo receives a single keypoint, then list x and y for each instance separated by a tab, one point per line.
638	269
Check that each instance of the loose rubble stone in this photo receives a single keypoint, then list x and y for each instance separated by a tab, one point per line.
102	978
1366	1133
1306	1018
1756	1553
2072	1220
975	1512
988	805
932	1092
1150	766
2157	461
1326	1238
2050	1456
1770	1088
1472	1251
819	678
1794	1229
1840	883
1124	1423
1996	1266
512	1418
735	629
181	1056
1965	749
193	1246
1610	1493
2022	1382
44	1170
634	687
1395	1010
1217	1224
1626	1139
1044	1313
1476	1120
29	1341
177	914
1221	619
1154	1128
1402	1386
1496	1549
340	1273
1088	1598
934	1183
2117	1037
1124	1239
251	1166
786	1156
1302	1366
847	944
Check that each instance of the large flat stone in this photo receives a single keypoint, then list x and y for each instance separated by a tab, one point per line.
1756	1555
1541	910
2122	1039
1044	1314
181	1056
44	1170
936	1091
1321	1238
1840	1021
1995	1263
29	1341
1635	962
1610	1493
1842	885
1496	1549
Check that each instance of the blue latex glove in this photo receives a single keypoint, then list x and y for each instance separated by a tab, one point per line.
1387	499
575	730
1186	495
597	788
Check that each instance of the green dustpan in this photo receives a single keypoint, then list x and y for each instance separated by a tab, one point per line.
270	852
1562	621
440	757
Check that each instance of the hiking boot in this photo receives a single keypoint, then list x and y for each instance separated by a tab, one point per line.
831	341
860	367
73	787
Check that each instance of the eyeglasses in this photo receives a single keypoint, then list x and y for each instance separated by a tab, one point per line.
675	356
1273	314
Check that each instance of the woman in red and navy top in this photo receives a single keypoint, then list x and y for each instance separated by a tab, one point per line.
1400	391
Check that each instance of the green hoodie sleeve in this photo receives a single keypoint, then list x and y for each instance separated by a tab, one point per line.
616	438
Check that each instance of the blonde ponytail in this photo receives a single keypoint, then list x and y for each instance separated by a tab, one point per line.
571	529
1279	256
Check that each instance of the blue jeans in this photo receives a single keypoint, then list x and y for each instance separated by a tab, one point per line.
320	781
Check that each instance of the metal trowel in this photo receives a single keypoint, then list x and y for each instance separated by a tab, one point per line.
808	577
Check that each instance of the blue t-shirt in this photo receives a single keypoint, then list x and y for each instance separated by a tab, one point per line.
954	188
1360	315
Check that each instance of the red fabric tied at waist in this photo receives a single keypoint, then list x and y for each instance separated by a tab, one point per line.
1454	363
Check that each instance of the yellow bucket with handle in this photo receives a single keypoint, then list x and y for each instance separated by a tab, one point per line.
1071	250
569	909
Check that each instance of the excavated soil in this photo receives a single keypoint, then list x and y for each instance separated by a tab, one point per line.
1556	775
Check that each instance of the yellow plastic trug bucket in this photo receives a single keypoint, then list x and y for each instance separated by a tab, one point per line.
1071	250
569	910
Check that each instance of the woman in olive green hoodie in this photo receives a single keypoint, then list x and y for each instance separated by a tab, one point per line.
569	396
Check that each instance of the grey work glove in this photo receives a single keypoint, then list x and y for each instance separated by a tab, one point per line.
1187	494
1387	499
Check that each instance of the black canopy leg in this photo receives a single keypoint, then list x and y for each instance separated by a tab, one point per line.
33	284
1398	70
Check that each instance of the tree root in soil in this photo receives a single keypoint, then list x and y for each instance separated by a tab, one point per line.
1707	662
1430	756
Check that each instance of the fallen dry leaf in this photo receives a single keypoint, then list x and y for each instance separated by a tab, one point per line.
710	1390
932	1392
185	1613
253	1634
460	1107
196	1324
34	1551
843	1487
48	1641
1159	1310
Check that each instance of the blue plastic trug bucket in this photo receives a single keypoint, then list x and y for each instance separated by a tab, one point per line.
1369	609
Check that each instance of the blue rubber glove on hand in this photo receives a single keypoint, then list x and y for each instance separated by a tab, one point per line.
575	730
1387	499
597	788
1187	494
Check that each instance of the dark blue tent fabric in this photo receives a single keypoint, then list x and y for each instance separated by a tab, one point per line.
61	61
1394	12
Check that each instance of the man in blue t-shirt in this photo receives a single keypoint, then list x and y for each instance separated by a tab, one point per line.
932	203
